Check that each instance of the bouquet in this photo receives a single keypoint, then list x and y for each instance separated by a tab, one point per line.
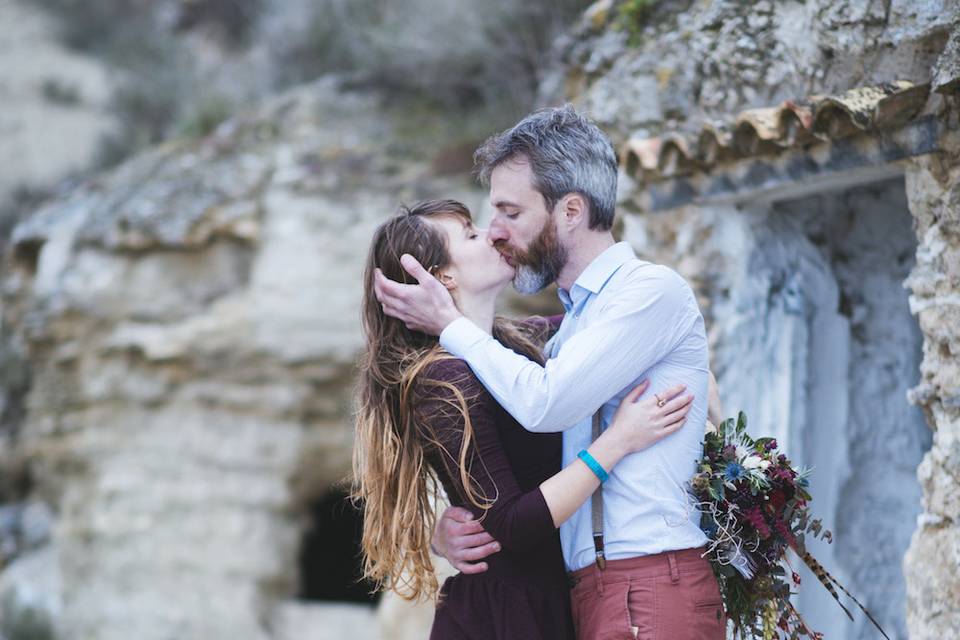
754	507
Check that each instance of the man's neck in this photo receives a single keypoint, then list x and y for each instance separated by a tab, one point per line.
585	251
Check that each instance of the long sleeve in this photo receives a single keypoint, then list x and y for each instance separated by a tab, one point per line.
518	520
652	311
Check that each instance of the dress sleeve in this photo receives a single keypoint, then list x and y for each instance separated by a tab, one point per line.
518	520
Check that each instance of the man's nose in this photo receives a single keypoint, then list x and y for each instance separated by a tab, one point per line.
497	231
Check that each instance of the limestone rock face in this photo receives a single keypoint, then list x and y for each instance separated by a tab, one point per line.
191	320
55	102
686	62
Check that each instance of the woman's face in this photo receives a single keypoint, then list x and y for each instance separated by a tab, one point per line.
475	265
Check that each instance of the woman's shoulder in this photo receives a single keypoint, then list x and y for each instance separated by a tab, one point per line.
443	390
446	371
446	368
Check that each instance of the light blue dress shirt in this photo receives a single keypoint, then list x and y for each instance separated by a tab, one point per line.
626	320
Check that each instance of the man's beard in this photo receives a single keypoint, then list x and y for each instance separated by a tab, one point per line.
540	264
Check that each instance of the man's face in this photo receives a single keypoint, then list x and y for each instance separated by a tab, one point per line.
522	228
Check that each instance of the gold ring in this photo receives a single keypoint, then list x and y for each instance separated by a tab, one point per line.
660	401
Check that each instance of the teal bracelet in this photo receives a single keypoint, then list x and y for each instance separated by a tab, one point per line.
591	462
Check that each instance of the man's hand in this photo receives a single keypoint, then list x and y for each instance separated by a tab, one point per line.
426	306
462	541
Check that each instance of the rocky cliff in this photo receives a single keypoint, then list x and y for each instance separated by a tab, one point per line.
191	323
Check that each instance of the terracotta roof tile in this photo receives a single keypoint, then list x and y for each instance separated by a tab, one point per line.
868	107
675	157
714	145
641	155
770	130
795	122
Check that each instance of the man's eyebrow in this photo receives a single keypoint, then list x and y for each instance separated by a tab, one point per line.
500	204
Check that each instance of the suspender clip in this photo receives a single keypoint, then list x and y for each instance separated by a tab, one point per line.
598	546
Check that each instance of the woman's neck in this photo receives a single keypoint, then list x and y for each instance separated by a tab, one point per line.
479	309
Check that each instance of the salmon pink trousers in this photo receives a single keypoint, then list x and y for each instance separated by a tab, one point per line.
667	596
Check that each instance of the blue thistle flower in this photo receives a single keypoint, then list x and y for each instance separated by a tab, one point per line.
733	472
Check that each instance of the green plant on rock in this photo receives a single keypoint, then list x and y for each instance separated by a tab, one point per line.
204	116
632	17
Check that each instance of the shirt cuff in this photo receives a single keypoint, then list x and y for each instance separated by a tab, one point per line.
460	335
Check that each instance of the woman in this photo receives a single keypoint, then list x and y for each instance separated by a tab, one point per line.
424	419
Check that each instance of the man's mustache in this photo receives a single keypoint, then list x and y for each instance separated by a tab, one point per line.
515	256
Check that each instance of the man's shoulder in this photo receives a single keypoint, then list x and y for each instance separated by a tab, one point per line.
650	274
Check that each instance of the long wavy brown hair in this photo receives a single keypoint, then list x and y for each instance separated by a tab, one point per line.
393	481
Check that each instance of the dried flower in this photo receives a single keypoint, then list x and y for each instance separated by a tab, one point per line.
733	472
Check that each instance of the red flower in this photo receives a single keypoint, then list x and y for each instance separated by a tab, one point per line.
778	499
755	517
784	531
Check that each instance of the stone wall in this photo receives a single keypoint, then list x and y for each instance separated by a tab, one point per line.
932	565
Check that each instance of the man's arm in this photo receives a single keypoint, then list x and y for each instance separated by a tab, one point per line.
639	328
647	318
462	541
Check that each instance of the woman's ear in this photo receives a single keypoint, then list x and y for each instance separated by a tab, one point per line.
447	280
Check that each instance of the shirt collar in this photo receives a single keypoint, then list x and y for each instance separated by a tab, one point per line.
597	273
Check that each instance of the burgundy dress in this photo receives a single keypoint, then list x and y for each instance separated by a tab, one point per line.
525	594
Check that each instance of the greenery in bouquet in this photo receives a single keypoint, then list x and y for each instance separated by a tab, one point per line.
754	507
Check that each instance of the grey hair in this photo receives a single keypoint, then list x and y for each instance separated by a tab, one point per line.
567	154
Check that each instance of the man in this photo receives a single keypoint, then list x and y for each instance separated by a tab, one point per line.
553	182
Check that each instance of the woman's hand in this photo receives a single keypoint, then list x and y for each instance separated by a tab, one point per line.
641	423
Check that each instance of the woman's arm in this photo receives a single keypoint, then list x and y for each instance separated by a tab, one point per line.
634	427
518	520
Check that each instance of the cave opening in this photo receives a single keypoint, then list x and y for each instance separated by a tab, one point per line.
330	559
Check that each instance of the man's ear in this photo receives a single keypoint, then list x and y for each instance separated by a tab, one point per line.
573	210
